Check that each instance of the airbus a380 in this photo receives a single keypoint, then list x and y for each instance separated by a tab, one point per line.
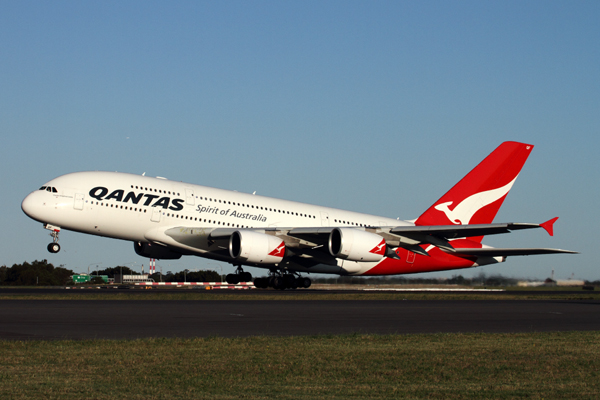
167	219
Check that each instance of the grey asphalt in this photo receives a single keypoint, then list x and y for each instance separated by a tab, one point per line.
130	319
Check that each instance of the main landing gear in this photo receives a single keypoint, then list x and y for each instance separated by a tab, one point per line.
53	247
239	276
282	281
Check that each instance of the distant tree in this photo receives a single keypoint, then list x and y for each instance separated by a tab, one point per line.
39	273
481	279
3	273
499	280
111	272
156	277
458	280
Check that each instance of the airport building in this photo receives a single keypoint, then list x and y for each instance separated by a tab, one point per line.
133	278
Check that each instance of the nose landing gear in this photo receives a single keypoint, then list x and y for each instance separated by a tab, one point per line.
53	247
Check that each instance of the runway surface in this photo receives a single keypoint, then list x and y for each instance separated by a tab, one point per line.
130	319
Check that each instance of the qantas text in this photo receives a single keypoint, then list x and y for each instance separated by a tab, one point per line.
100	193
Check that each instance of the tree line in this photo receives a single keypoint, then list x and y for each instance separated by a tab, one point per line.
40	273
43	273
481	279
183	276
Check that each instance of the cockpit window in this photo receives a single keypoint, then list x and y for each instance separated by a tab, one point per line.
43	188
49	189
54	190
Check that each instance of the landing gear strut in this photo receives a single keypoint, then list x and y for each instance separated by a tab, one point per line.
239	276
282	280
53	247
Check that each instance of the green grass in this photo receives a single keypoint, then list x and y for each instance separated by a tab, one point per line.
440	366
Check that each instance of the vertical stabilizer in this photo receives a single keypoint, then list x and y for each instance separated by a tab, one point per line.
477	198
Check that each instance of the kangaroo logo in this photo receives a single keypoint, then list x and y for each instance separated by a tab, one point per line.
379	249
279	251
464	211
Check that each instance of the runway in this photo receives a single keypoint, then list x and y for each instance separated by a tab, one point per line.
131	319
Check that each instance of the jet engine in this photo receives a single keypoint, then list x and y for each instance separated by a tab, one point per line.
256	248
150	250
356	245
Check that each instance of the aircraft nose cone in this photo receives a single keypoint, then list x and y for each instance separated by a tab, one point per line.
31	206
26	205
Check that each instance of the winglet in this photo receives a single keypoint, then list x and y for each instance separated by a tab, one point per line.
549	226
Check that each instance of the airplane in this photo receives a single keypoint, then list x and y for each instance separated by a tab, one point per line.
167	219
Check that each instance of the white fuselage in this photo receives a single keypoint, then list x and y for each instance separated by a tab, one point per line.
139	208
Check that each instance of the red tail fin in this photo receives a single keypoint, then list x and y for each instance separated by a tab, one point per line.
478	196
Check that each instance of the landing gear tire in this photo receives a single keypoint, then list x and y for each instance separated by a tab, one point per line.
261	283
289	281
54	247
232	279
281	281
278	283
240	276
245	277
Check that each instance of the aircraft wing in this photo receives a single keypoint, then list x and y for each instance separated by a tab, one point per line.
410	237
460	231
492	252
309	242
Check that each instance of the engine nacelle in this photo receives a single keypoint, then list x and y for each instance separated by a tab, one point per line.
150	250
256	248
356	245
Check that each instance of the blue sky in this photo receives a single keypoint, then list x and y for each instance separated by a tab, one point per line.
376	107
